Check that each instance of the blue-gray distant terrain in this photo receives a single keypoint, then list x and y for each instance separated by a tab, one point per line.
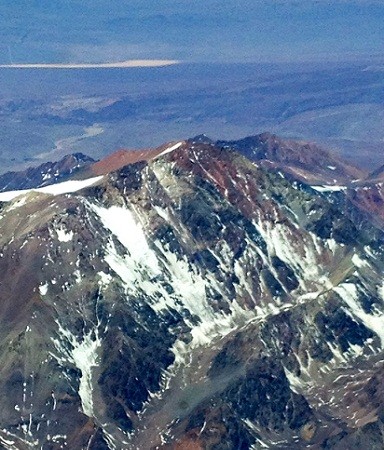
302	68
46	114
198	31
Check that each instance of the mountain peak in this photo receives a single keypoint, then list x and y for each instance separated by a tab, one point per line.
189	299
46	173
201	139
123	157
304	160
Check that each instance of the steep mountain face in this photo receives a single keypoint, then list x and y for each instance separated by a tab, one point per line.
370	198
122	157
45	174
192	300
305	161
377	175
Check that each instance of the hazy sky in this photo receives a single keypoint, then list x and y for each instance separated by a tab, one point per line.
48	31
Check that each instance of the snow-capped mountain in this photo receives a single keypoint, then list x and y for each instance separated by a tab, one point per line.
194	299
45	174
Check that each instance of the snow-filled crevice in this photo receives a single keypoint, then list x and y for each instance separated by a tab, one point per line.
305	266
122	224
374	322
83	354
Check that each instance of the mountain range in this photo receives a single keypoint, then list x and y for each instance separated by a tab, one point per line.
200	295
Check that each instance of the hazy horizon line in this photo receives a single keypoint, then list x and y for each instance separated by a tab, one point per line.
111	65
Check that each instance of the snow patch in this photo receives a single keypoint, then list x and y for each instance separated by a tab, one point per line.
63	235
279	243
190	293
374	322
105	279
255	431
46	176
43	289
18	203
121	222
170	149
295	382
358	262
84	355
55	189
380	290
162	212
7	443
332	244
329	188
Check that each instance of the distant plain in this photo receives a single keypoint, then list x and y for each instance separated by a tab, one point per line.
46	114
